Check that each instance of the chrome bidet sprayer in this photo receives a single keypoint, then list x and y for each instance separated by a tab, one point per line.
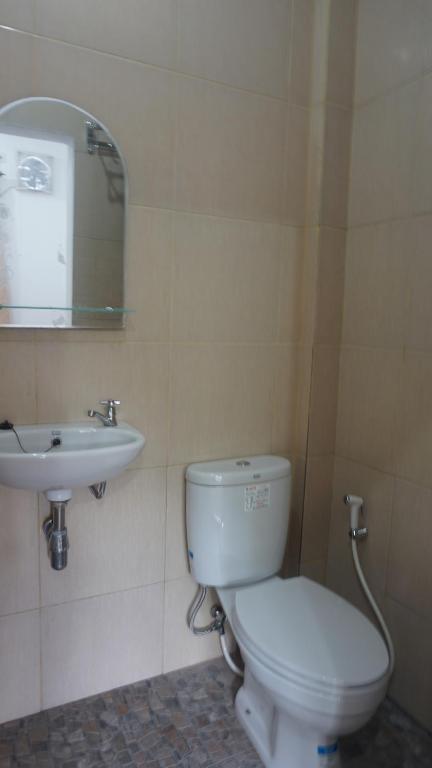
356	504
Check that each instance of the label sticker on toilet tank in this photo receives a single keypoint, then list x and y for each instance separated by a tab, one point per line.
328	755
256	497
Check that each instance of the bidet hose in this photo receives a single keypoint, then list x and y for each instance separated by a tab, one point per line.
227	656
193	611
374	605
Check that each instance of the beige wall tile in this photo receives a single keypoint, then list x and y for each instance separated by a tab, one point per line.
298	469
296	165
371	186
17	13
323	402
136	29
16	334
426	32
19	665
422	161
376	284
149	257
337	138
291	371
341	47
228	151
136	374
81	641
221	401
414	426
303	399
243	43
317	508
181	647
226	278
116	543
330	292
292	278
404	148
314	570
16	50
19	559
409	579
368	401
176	563
419	332
309	296
315	166
290	568
390	45
290	565
298	285
301	67
412	679
136	102
17	387
377	490
382	164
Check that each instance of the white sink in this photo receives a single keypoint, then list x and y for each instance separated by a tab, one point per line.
88	455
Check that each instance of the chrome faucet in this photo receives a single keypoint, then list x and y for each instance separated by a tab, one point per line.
108	419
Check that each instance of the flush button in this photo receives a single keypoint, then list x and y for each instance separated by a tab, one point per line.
243	463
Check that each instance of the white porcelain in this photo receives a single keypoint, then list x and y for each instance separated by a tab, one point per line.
315	667
237	518
88	454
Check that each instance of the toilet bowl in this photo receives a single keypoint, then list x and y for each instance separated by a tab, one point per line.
315	667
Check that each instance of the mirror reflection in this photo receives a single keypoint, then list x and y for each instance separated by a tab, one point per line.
62	220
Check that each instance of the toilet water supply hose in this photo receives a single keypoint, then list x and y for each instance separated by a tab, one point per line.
217	625
355	503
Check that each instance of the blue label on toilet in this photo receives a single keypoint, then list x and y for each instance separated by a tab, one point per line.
328	755
328	749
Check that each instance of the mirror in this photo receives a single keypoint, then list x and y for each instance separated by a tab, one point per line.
63	188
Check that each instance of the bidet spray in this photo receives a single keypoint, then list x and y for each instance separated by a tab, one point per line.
355	503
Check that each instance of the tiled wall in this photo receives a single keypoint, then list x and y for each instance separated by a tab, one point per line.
384	425
327	207
211	104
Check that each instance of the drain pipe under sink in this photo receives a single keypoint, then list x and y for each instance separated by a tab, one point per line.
355	504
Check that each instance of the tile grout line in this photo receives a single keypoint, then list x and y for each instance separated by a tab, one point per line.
170	70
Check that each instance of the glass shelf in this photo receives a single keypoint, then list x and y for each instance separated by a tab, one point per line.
96	310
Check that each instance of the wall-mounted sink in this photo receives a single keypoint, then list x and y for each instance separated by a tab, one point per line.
87	454
55	458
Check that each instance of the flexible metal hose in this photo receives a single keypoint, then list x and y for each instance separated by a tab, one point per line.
193	611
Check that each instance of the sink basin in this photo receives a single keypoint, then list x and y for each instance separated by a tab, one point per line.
88	454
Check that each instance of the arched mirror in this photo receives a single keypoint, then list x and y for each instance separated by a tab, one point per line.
63	188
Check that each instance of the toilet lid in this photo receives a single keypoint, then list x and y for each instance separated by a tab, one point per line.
301	629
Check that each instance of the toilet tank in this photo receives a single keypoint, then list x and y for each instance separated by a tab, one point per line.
237	514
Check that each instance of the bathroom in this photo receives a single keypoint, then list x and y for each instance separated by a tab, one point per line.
277	224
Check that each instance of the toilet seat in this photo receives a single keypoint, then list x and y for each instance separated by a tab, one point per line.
308	636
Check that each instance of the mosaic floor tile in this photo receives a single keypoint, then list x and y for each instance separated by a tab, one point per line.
184	719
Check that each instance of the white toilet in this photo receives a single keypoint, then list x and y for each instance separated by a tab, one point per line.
315	667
